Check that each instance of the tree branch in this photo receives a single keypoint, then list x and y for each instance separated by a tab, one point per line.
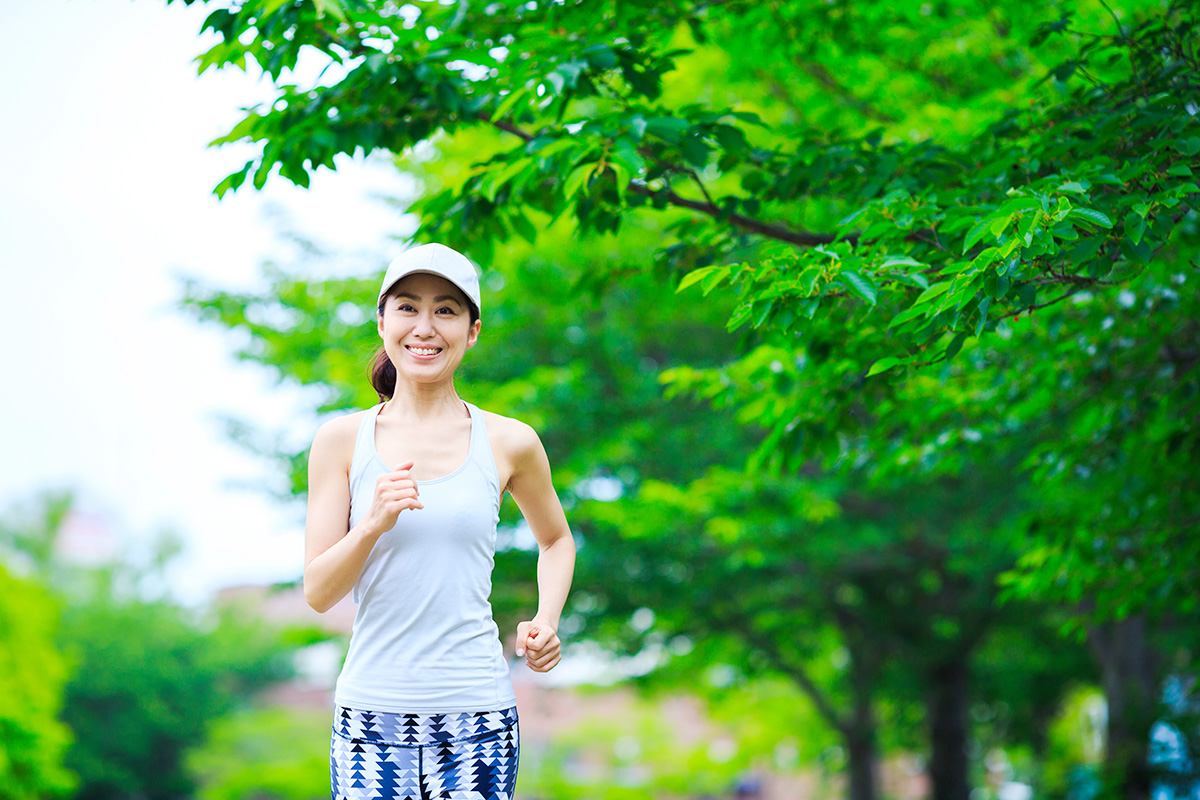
797	673
1058	299
741	221
820	73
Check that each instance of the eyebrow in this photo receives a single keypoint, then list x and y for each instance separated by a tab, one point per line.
439	299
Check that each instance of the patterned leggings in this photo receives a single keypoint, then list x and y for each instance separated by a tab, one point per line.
470	755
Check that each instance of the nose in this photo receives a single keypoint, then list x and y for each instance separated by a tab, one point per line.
424	325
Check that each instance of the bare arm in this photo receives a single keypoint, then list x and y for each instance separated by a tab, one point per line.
533	490
335	553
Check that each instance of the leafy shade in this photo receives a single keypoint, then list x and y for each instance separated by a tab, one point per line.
32	674
148	681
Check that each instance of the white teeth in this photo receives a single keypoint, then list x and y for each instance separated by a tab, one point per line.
425	351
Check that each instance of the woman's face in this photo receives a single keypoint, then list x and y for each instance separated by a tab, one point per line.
426	328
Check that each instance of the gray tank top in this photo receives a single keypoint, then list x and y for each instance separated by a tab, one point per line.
424	639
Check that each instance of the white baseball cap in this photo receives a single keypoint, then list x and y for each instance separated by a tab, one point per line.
435	259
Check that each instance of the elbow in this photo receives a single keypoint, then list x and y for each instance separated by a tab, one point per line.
318	604
314	598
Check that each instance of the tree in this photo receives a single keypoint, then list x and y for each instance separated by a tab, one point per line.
943	241
147	675
149	680
269	753
860	262
605	422
32	674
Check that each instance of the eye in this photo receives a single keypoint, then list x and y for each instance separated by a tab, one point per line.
446	310
405	307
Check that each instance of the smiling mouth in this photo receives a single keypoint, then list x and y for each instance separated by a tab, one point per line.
423	351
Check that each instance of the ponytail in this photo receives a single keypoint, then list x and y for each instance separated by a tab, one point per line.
383	374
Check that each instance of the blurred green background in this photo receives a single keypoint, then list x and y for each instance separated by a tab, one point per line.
863	341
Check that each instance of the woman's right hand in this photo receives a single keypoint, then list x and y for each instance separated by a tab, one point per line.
395	491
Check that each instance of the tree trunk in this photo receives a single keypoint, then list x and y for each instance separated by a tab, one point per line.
948	734
862	760
862	754
1127	668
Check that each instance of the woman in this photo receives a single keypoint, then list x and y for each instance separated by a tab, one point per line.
402	510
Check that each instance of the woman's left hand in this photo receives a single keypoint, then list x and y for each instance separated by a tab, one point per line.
539	643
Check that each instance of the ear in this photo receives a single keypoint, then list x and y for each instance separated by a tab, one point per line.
379	323
473	334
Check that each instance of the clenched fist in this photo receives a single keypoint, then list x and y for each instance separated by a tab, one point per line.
395	491
539	643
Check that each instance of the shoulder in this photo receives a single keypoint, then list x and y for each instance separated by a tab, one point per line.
521	460
335	437
513	438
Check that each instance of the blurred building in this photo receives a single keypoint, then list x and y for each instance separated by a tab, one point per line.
86	539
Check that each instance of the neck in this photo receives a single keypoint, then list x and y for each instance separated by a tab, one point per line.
425	402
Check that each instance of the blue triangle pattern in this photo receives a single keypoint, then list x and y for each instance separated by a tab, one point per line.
456	756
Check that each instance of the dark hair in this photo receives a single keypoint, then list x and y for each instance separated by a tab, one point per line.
383	372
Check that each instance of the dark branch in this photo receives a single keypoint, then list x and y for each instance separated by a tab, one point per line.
769	648
741	221
820	73
802	238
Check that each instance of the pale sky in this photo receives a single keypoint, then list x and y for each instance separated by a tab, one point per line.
107	388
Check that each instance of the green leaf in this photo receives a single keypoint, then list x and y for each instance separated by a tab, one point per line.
1189	146
860	285
1090	215
900	261
808	278
1085	250
984	305
884	364
698	275
1135	227
244	129
1099	267
512	170
976	233
731	138
625	152
333	8
695	151
557	81
1020	204
1026	294
932	293
1180	171
1072	186
234	181
577	180
600	56
955	345
764	309
524	228
748	116
912	279
669	129
510	100
713	279
1025	229
907	314
1136	251
622	177
739	317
